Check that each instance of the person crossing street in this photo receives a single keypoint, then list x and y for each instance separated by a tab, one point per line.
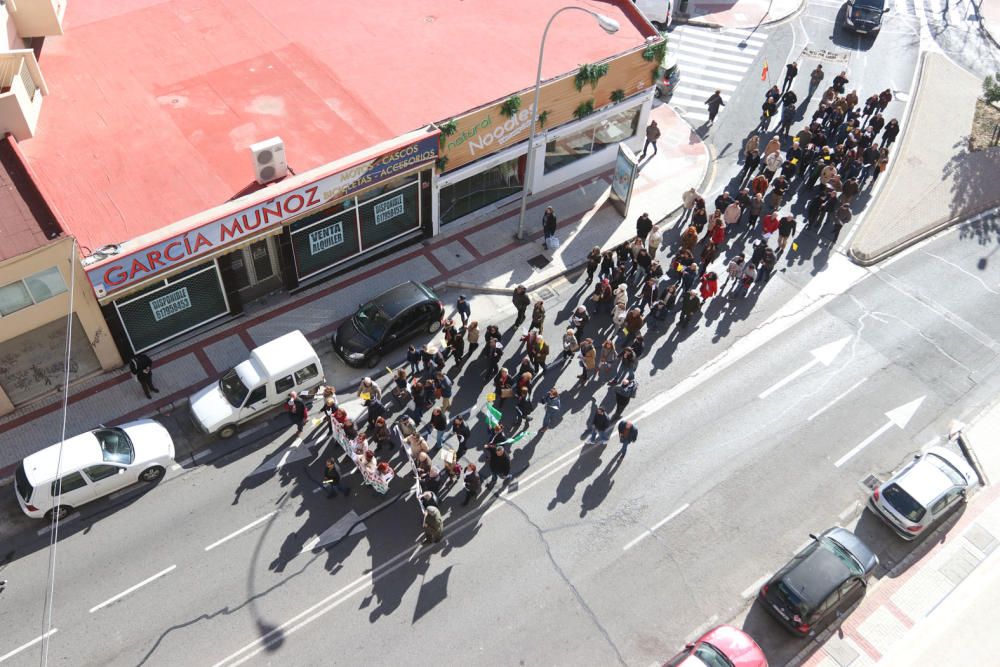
713	103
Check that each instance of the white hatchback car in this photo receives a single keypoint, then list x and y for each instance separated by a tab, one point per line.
93	465
923	491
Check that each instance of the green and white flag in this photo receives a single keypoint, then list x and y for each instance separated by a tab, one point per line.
517	438
492	415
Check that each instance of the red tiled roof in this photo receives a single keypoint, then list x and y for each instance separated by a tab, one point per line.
26	222
153	104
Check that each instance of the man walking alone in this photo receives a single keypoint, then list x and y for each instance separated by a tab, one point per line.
652	134
713	103
142	368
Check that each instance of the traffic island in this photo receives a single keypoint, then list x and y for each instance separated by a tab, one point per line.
934	180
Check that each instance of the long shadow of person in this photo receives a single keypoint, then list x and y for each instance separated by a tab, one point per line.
597	491
586	463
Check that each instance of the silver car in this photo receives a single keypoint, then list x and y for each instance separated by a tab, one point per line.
923	491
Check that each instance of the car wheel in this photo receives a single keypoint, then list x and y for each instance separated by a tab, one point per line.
60	512
434	326
152	474
227	431
656	93
373	360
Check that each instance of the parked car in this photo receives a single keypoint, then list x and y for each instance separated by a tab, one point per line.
386	321
926	489
255	386
820	582
92	465
667	77
724	646
864	16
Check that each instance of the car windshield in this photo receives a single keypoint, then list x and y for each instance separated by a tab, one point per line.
903	503
950	472
233	388
372	320
877	5
116	447
711	656
844	555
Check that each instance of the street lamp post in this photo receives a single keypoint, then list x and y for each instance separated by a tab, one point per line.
610	26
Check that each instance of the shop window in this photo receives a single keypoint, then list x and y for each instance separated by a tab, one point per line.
183	304
389	216
609	132
33	289
482	189
388	186
321	241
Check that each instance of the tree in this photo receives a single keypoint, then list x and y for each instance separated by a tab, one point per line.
991	88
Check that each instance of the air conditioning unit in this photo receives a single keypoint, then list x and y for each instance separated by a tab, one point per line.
269	160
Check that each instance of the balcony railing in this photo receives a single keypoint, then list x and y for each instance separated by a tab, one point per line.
37	18
21	91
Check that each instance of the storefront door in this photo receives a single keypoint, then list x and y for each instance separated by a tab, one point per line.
253	270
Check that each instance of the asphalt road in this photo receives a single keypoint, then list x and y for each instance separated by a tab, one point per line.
594	557
591	557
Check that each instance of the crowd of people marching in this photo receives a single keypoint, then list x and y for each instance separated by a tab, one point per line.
640	287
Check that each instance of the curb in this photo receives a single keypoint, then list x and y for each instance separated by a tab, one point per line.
685	19
852	254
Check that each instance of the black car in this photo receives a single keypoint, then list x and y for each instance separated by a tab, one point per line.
864	16
820	582
386	321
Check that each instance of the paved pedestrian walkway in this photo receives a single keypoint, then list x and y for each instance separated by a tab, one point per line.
933	179
920	613
989	13
737	14
480	252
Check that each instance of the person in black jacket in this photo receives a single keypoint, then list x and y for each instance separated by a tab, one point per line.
473	483
521	303
462	433
600	427
142	368
549	224
499	463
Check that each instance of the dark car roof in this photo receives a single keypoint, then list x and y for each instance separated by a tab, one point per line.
870	4
816	576
397	299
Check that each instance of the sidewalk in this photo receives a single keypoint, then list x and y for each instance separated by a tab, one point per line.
738	13
479	253
933	180
926	610
989	13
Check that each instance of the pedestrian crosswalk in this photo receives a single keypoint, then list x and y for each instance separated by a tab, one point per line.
710	60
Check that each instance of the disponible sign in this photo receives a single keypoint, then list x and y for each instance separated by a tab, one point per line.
117	273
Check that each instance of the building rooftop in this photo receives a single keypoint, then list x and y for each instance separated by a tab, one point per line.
153	104
26	221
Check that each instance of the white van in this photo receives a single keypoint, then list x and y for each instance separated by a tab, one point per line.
658	12
92	465
260	383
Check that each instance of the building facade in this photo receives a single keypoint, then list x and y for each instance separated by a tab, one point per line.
47	306
288	235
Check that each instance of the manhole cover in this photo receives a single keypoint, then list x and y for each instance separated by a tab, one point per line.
871	481
539	261
546	293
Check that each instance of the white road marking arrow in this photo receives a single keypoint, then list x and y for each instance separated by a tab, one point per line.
824	354
898	417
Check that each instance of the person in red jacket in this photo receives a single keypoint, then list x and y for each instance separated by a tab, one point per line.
770	224
709	285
